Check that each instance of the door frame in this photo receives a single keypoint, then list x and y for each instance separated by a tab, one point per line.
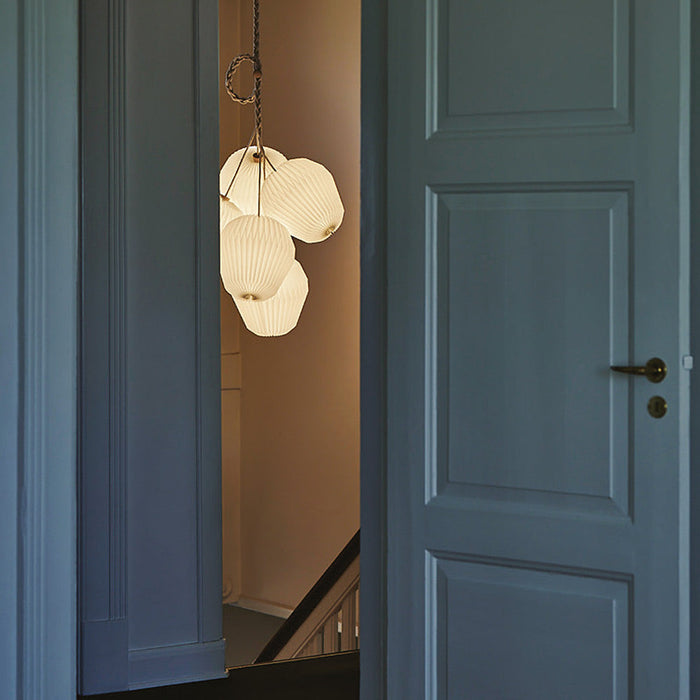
39	317
373	349
694	495
41	307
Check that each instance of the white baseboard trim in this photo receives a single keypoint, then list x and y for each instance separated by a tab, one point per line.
263	606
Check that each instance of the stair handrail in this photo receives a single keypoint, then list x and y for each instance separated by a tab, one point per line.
311	600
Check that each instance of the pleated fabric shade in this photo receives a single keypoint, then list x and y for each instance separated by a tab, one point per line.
280	314
256	255
303	196
244	191
228	211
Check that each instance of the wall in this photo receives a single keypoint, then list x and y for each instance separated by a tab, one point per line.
300	393
230	448
150	470
38	339
229	139
10	432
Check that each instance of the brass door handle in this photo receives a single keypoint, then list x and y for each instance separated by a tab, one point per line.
655	370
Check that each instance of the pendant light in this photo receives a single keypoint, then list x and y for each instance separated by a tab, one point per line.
302	195
228	211
280	314
266	199
256	255
243	192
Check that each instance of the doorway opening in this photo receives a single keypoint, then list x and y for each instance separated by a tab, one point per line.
290	404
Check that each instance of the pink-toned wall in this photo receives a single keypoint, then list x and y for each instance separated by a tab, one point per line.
299	430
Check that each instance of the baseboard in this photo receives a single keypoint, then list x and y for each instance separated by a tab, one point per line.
107	643
263	606
185	663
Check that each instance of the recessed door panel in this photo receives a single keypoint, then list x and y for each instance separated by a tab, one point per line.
531	287
565	635
498	65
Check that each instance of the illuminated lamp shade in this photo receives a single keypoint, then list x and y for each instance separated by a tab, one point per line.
228	211
256	255
303	196
244	191
280	314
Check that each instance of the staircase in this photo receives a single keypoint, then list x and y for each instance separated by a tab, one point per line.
327	619
313	656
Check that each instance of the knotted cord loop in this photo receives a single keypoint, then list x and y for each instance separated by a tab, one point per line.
254	58
233	67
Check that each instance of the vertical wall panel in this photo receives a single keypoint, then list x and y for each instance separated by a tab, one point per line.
160	325
151	518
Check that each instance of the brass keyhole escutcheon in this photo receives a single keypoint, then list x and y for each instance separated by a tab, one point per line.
657	407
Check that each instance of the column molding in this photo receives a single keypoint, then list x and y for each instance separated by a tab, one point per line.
48	345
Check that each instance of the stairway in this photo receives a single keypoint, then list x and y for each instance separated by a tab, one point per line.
307	659
326	621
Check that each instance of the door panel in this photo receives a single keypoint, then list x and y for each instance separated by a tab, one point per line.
535	285
150	470
537	527
549	64
486	610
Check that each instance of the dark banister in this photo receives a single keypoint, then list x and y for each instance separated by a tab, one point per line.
311	600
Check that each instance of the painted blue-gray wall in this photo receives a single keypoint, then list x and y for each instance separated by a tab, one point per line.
38	349
150	575
9	339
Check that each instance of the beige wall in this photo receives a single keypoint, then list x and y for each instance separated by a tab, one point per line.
299	468
229	136
230	448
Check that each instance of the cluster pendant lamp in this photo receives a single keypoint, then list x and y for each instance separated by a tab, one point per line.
265	200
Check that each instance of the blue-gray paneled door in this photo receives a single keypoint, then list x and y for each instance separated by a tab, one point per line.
150	574
538	234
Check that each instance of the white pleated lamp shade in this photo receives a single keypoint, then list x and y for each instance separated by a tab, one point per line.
256	255
228	211
280	314
303	196
244	191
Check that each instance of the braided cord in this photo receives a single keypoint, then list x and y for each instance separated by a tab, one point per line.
257	92
257	73
254	59
254	98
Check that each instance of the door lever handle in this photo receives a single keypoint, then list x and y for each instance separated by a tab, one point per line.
655	370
